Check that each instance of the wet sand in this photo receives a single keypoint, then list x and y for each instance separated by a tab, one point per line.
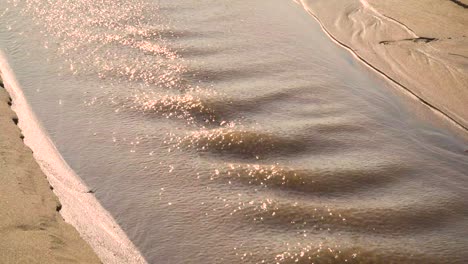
31	227
421	45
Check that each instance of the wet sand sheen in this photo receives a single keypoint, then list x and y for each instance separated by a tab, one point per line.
261	141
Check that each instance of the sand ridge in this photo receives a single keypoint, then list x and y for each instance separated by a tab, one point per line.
31	227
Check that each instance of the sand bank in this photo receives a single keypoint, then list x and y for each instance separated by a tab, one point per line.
421	45
79	207
31	228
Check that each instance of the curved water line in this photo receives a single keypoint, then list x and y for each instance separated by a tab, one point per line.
80	207
407	90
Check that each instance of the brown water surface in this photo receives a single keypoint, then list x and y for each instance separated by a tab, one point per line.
238	132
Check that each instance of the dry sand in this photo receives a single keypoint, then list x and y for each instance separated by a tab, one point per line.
31	227
421	45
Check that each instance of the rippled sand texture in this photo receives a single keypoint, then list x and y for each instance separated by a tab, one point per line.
423	45
238	132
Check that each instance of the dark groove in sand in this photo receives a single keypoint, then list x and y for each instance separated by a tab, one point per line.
459	3
415	40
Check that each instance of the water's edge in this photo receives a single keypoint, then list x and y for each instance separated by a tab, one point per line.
405	89
80	208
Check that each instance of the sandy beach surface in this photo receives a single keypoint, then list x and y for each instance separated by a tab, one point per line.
31	227
421	45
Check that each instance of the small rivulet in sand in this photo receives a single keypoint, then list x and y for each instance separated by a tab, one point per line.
31	227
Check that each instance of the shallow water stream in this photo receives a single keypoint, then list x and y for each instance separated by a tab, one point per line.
237	131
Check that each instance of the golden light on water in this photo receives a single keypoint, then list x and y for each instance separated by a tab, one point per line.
238	152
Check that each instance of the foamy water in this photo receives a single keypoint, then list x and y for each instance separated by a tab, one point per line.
237	131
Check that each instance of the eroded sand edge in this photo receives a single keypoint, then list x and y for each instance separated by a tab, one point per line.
31	227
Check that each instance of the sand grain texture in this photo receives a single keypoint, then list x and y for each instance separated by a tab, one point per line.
31	228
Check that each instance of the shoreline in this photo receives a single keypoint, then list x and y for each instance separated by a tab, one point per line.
82	211
425	65
78	207
31	227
